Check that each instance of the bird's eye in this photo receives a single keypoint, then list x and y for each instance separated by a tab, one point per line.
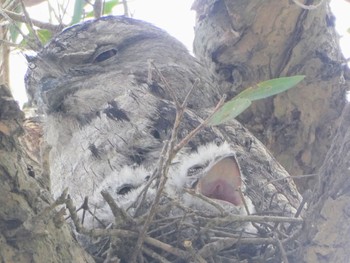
105	55
195	169
126	188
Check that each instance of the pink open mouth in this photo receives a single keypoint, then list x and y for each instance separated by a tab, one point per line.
222	181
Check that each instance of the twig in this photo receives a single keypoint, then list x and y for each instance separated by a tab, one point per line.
30	25
282	251
153	177
98	8
164	162
9	43
206	199
166	247
252	218
126	9
223	243
73	214
155	255
121	217
196	256
243	200
306	198
22	18
185	140
163	178
166	84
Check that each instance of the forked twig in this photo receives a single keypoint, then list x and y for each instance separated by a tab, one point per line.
21	18
171	151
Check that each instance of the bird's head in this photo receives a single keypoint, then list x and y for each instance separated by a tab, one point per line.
124	187
214	172
87	64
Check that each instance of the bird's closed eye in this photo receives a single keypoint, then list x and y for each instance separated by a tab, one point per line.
195	169
126	188
103	56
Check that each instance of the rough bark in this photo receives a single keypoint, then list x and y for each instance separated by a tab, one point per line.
27	234
327	233
267	39
245	42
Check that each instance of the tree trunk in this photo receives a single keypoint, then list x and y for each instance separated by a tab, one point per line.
307	127
29	230
327	232
246	42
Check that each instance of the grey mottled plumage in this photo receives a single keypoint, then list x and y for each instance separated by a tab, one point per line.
106	118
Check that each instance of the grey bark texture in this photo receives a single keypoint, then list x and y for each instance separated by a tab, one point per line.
27	234
246	42
326	236
105	108
265	39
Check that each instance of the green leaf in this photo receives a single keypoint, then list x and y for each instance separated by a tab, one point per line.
107	9
78	11
14	32
270	87
229	110
44	35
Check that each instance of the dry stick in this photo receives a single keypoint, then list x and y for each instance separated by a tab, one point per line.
282	251
185	140
243	200
207	200
165	164
121	233
306	198
9	43
30	24
119	214
163	167
195	256
165	82
10	20
21	18
153	177
126	9
251	218
98	8
155	255
220	244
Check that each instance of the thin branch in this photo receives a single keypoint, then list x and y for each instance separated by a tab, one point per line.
120	215
164	163
206	199
155	255
166	84
21	18
98	8
30	25
185	140
252	218
282	251
126	9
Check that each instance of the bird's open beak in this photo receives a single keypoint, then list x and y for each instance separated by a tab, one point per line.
222	181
